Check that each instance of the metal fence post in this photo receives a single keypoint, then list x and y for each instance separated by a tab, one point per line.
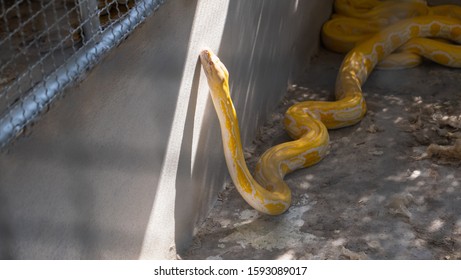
90	20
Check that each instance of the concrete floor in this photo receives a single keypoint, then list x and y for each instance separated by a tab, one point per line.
372	197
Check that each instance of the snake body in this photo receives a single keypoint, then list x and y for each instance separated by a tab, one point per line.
308	122
355	21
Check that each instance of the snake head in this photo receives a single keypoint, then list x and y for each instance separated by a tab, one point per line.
215	70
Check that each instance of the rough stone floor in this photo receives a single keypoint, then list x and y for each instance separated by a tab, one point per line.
377	195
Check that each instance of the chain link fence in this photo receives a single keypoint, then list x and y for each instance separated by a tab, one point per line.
46	45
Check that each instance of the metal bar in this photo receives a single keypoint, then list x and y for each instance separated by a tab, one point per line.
36	101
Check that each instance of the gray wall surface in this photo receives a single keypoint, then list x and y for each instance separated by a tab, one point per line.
130	161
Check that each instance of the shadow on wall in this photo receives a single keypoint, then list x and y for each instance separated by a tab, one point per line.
81	186
267	43
264	44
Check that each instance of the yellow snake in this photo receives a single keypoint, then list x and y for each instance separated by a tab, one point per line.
307	122
357	20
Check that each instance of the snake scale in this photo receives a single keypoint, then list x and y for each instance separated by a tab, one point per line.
397	25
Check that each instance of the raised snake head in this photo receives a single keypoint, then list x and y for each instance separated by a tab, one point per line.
215	70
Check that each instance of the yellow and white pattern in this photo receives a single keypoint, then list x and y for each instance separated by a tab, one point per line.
392	26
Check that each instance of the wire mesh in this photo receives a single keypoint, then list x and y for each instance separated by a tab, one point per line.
46	45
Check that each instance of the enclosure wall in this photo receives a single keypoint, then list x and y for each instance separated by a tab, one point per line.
130	161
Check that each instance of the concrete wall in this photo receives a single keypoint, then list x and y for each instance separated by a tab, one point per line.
130	161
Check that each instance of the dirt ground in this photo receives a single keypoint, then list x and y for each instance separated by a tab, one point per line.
380	193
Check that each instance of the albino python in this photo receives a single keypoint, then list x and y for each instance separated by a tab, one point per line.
357	20
308	122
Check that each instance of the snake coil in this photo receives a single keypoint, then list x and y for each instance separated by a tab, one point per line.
392	26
